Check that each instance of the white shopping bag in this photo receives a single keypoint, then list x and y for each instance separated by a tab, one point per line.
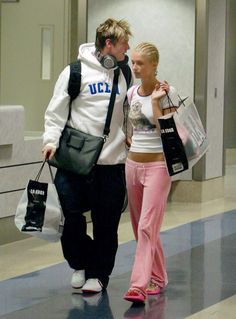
183	137
39	212
191	132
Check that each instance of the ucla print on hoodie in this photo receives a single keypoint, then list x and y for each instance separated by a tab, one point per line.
89	109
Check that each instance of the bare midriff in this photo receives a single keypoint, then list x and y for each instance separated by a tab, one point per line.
146	157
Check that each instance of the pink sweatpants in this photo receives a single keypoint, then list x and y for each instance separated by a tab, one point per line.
148	186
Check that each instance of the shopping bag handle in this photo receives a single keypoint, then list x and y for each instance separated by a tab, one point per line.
41	169
182	100
171	104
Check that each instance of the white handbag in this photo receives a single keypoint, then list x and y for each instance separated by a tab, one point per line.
39	212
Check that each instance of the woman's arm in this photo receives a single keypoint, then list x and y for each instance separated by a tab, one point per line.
158	92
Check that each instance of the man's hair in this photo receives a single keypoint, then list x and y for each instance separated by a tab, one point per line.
113	30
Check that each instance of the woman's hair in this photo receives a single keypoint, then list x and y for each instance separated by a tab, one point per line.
148	50
113	30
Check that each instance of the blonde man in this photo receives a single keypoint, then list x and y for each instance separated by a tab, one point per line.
92	258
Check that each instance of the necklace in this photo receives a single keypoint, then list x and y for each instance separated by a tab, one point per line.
147	88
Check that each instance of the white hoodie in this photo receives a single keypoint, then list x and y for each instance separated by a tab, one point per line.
89	109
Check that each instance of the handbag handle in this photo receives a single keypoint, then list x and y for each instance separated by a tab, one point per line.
41	169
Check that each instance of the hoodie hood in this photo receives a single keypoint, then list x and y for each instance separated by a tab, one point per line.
87	56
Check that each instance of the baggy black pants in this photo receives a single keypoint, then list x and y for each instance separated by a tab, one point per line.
104	191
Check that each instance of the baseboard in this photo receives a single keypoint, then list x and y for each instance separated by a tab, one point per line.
9	232
197	191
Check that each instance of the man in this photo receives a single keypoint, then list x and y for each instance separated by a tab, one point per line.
92	258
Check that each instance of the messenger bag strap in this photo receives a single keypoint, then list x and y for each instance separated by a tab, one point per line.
106	130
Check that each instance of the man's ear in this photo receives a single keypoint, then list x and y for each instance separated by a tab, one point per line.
108	43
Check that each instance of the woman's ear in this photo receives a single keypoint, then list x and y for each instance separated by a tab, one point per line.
155	68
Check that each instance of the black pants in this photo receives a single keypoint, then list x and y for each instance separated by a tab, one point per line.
104	191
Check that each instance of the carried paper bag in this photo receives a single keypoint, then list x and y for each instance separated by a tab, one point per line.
39	212
183	137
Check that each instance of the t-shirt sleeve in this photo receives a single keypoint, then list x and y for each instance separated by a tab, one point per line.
130	93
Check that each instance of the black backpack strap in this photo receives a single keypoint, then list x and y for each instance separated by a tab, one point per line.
75	79
74	82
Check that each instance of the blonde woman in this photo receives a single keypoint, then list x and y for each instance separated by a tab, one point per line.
148	182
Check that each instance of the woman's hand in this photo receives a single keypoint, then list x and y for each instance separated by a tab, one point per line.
160	90
128	141
165	86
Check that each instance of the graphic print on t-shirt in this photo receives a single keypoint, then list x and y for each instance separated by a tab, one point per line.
138	119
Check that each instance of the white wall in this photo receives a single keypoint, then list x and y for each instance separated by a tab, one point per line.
169	24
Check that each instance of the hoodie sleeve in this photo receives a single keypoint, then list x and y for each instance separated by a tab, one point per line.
57	111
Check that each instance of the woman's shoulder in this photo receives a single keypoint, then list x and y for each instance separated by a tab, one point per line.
132	88
131	91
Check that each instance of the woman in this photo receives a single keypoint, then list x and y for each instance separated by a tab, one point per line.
148	182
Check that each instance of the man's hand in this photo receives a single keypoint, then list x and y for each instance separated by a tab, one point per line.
48	152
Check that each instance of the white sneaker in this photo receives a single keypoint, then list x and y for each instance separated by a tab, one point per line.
78	279
92	285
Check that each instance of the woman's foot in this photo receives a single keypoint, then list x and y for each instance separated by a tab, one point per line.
153	289
134	295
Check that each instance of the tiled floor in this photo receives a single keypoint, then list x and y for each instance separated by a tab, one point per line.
199	242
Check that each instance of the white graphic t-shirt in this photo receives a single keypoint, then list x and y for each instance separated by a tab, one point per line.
146	138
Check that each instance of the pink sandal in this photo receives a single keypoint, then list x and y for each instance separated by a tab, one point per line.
153	289
134	295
